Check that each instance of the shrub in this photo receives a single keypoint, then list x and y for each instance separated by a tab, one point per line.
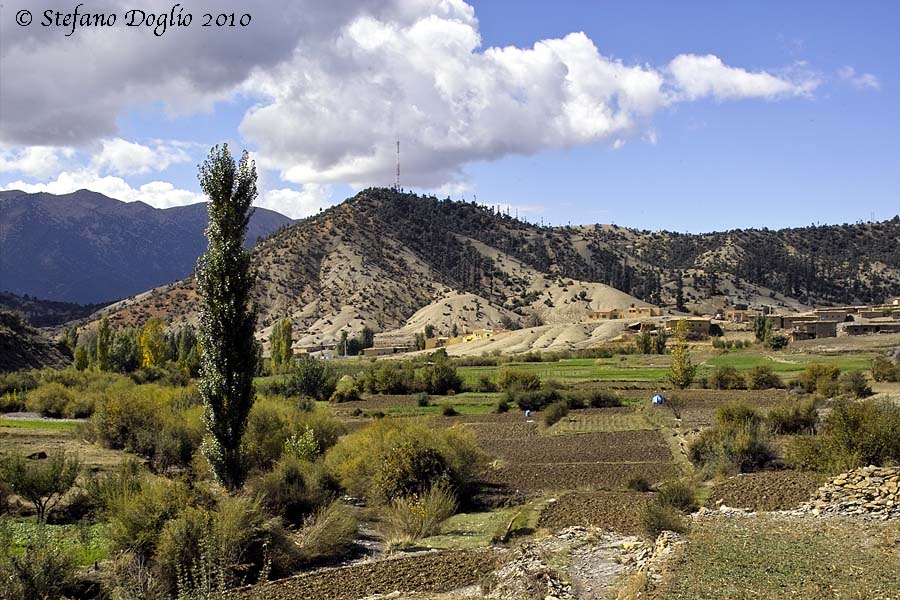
179	438
534	399
136	519
50	400
12	401
42	482
853	434
129	417
302	445
293	489
417	516
485	384
104	490
392	377
128	577
312	378
513	380
502	407
346	390
396	457
678	495
736	443
231	543
441	378
18	381
328	533
448	411
43	570
818	377
638	484
853	383
602	399
727	378
272	423
555	412
656	518
422	399
884	369
793	417
762	377
777	341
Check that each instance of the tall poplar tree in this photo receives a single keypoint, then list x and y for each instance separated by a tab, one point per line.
227	317
104	339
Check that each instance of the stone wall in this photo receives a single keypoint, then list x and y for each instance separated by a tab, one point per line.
869	491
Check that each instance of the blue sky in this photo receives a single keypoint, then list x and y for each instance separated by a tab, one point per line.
684	116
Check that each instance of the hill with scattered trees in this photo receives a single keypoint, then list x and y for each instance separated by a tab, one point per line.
379	257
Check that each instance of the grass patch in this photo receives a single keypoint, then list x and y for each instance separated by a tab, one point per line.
788	558
86	544
476	530
791	362
39	424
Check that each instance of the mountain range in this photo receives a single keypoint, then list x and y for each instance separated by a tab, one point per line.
393	261
85	247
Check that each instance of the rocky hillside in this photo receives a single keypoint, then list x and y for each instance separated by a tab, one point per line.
381	257
23	347
85	247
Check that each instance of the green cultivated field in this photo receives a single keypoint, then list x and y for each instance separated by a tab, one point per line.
39	424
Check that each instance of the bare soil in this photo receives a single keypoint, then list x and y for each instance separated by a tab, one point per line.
605	447
428	572
616	511
765	491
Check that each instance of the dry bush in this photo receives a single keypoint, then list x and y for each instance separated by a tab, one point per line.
328	533
656	518
417	516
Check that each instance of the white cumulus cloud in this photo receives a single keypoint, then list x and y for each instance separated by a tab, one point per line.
695	76
332	113
860	81
121	157
334	85
297	204
160	194
34	161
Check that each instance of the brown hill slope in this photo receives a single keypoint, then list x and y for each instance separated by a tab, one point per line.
23	347
381	256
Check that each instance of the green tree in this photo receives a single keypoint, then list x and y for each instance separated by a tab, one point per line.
152	342
43	483
124	353
762	328
227	318
104	339
429	331
682	371
275	349
661	338
82	360
311	378
188	353
367	338
282	341
645	342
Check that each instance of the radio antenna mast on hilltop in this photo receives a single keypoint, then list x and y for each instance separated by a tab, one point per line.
397	183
